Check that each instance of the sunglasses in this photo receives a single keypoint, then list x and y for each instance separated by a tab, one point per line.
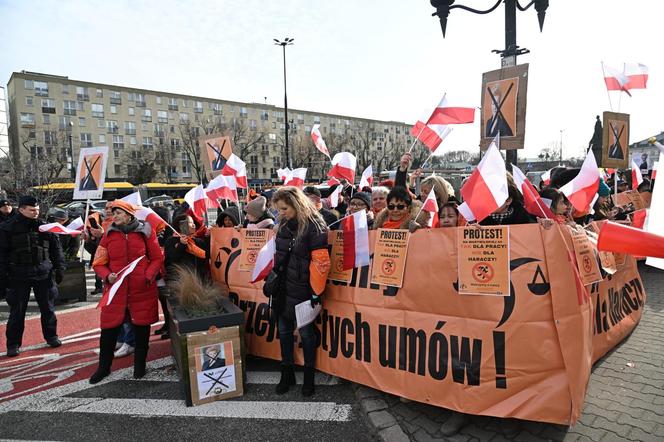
396	206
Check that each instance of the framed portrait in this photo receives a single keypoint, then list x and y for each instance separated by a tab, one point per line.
615	140
503	111
215	150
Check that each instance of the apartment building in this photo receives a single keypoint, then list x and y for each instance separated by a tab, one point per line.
51	117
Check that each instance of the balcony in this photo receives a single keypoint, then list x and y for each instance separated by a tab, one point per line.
116	100
198	110
217	112
97	114
41	92
49	110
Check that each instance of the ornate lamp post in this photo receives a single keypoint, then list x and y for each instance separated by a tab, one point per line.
286	42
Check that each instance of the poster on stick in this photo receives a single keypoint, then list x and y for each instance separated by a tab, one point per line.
484	261
215	150
253	241
615	140
390	251
91	173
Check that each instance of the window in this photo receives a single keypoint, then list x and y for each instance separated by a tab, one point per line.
316	119
158	130
27	119
82	93
99	93
147	142
47	118
118	142
97	110
69	107
29	101
140	100
243	112
264	115
101	124
50	138
252	124
116	154
32	134
307	129
130	128
81	121
131	111
279	115
300	119
117	169
86	140
158	100
274	125
184	103
114	109
144	127
112	126
102	139
65	122
131	96
273	138
27	84
115	97
65	89
162	116
132	141
175	143
198	107
184	117
41	88
216	108
173	104
80	106
147	115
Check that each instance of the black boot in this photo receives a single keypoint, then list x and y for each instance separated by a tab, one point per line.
308	384
106	348
142	334
287	379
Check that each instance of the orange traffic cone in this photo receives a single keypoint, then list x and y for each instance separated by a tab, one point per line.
624	239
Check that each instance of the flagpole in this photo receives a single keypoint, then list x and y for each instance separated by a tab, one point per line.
607	88
339	220
87	212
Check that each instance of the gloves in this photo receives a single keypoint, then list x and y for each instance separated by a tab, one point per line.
315	300
59	275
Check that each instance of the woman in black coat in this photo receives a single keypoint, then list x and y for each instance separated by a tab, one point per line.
301	252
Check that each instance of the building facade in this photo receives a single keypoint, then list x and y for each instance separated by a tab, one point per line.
153	135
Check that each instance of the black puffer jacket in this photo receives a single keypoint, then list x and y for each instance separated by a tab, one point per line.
518	216
298	288
176	254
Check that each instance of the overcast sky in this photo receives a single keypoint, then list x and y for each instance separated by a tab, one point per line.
379	59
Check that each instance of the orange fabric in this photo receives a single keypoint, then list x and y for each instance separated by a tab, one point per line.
319	269
101	257
124	205
193	249
394	224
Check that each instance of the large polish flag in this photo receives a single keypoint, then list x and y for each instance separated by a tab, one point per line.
632	76
486	188
532	201
367	177
431	135
236	167
431	205
145	213
264	261
58	229
446	113
283	173
637	177
318	140
334	196
76	224
196	200
333	182
582	189
356	240
343	166
222	186
296	177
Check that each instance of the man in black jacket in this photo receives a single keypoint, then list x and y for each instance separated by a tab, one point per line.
29	259
6	211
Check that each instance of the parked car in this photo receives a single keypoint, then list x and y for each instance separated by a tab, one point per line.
160	201
77	208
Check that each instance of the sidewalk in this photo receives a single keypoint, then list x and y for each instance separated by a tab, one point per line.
625	398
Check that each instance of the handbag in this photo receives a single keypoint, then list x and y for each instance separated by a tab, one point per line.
275	285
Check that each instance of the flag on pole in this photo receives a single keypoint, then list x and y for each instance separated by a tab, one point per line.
318	140
264	262
333	182
532	201
431	135
486	188
632	76
296	177
446	113
196	200
356	240
222	186
109	294
334	196
343	166
133	198
58	229
546	177
76	224
150	216
236	167
431	205
367	177
582	189
637	177
283	173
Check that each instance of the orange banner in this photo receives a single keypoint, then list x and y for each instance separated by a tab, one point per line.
527	355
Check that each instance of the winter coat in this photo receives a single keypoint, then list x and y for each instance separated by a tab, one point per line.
11	215
266	221
138	292
176	254
518	216
231	212
415	206
298	287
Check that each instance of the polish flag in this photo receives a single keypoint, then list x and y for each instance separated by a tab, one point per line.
133	198
639	219
283	173
546	177
637	177
318	140
58	229
632	76
150	216
531	198
196	200
76	224
264	261
334	196
431	205
333	182
431	135
367	177
343	166
109	293
222	186
486	189
356	240
236	167
445	113
296	177
582	189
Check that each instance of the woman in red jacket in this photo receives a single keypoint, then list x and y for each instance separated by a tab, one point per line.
126	240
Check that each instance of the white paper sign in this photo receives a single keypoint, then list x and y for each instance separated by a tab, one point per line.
305	314
91	173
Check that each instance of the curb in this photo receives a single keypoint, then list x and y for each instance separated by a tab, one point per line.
375	408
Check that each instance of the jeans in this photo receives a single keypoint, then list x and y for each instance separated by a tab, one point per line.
126	334
287	342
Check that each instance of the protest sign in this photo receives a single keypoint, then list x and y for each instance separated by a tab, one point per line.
337	272
390	253
253	241
484	261
91	173
586	261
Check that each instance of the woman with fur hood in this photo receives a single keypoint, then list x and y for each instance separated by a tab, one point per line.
400	211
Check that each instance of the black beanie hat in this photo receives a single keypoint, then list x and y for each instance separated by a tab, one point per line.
364	197
27	200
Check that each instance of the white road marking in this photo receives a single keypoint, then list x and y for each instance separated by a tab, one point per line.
253	377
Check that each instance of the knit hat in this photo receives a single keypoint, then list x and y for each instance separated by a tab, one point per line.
311	190
256	207
604	190
27	200
364	197
4	203
123	205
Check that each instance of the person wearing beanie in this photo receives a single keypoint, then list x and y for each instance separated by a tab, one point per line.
257	215
314	196
30	260
228	217
6	210
361	201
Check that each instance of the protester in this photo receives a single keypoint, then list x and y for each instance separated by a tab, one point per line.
126	240
94	230
560	205
187	250
400	211
70	244
29	260
379	199
314	196
622	186
6	210
228	217
302	258
257	215
645	190
449	215
512	211
362	201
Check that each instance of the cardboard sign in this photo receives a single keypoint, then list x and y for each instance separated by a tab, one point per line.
615	140
606	259
215	365
253	241
623	199
484	261
215	150
91	173
337	272
390	251
585	256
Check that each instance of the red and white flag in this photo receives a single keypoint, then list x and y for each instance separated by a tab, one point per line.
334	196
150	216
367	177
196	199
343	166
637	177
283	173
632	76
431	205
109	293
264	261
58	229
582	189
532	201
222	186
356	240
318	140
486	188
333	182
546	177
236	167
76	224
446	113
296	177
133	198
431	135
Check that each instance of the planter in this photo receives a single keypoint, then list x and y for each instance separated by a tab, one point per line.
73	285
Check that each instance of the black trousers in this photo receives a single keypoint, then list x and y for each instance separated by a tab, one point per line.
18	296
108	338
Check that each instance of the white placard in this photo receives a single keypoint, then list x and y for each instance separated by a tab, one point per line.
91	173
305	314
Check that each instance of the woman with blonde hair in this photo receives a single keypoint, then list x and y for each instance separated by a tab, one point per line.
301	264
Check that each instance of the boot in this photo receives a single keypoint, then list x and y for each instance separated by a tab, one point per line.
140	355
308	384
287	379
106	350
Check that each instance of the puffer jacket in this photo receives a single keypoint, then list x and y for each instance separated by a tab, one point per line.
138	292
422	219
298	287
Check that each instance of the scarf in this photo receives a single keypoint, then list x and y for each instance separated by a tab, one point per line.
394	224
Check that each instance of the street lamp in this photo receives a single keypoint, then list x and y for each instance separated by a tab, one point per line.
286	42
70	156
561	147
